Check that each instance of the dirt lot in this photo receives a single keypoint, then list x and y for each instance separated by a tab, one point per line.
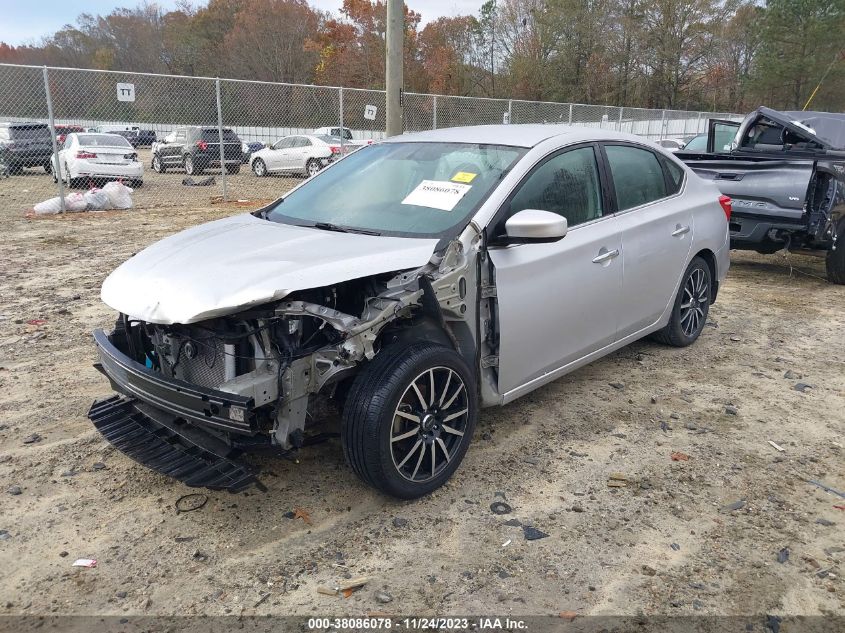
700	536
33	185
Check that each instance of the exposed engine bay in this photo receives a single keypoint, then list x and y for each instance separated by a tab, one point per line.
289	357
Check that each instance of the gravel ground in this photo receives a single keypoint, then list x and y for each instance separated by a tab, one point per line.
32	185
700	536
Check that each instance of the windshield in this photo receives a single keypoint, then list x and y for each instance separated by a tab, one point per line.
400	189
27	133
103	140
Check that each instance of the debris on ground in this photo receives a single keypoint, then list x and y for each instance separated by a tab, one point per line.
500	507
299	513
383	597
532	533
190	502
568	615
736	505
400	522
14	490
677	456
32	439
205	182
85	562
825	487
617	480
802	387
780	449
345	588
731	410
783	555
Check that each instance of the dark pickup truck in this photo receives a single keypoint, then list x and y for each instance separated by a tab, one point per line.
785	173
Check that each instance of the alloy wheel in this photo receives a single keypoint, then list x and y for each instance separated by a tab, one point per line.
429	424
694	303
312	168
259	167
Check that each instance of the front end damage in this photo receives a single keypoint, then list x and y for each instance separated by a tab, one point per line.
193	398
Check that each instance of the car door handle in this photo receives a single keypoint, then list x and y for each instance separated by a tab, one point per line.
680	230
605	256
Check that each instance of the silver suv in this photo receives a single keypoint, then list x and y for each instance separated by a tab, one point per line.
406	286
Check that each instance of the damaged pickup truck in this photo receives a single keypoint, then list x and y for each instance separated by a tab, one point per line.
406	286
785	172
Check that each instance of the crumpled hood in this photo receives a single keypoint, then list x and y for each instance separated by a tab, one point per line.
221	267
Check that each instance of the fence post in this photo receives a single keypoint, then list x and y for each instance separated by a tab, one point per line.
56	167
662	123
570	114
220	135
510	110
698	125
619	126
434	114
340	118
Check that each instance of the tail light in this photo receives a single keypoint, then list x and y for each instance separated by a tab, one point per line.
725	201
61	138
202	145
86	155
335	149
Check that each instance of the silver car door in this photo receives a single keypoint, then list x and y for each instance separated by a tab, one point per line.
280	157
657	231
557	302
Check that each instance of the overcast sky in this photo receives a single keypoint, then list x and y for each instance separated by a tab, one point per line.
27	21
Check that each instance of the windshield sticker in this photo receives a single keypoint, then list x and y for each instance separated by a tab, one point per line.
437	194
464	176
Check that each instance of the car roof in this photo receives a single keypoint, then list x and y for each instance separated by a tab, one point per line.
22	124
516	135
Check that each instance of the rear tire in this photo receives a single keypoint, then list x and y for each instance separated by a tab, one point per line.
191	168
835	259
311	168
691	307
158	166
392	398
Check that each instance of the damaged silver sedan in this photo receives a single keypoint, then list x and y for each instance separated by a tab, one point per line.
404	287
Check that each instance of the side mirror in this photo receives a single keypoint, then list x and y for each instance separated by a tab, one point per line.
534	225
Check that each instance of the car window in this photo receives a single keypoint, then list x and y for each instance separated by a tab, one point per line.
181	136
30	132
637	176
103	140
566	184
675	173
697	144
305	142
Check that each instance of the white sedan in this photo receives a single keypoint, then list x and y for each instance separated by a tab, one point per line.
89	156
302	153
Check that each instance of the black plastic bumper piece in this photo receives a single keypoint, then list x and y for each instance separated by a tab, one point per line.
199	405
153	439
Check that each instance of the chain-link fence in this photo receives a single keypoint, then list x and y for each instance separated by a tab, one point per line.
195	140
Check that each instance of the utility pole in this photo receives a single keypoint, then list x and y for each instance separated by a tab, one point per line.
393	70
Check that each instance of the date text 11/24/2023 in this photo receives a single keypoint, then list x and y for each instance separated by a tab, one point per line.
417	623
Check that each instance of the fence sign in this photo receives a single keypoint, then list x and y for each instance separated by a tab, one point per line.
126	92
370	112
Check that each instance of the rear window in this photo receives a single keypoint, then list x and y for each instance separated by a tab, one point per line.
637	176
103	140
29	132
675	173
211	135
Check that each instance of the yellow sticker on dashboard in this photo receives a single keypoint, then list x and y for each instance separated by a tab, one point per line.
464	176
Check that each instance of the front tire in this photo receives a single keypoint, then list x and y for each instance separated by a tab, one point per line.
259	168
158	166
409	418
691	307
835	259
